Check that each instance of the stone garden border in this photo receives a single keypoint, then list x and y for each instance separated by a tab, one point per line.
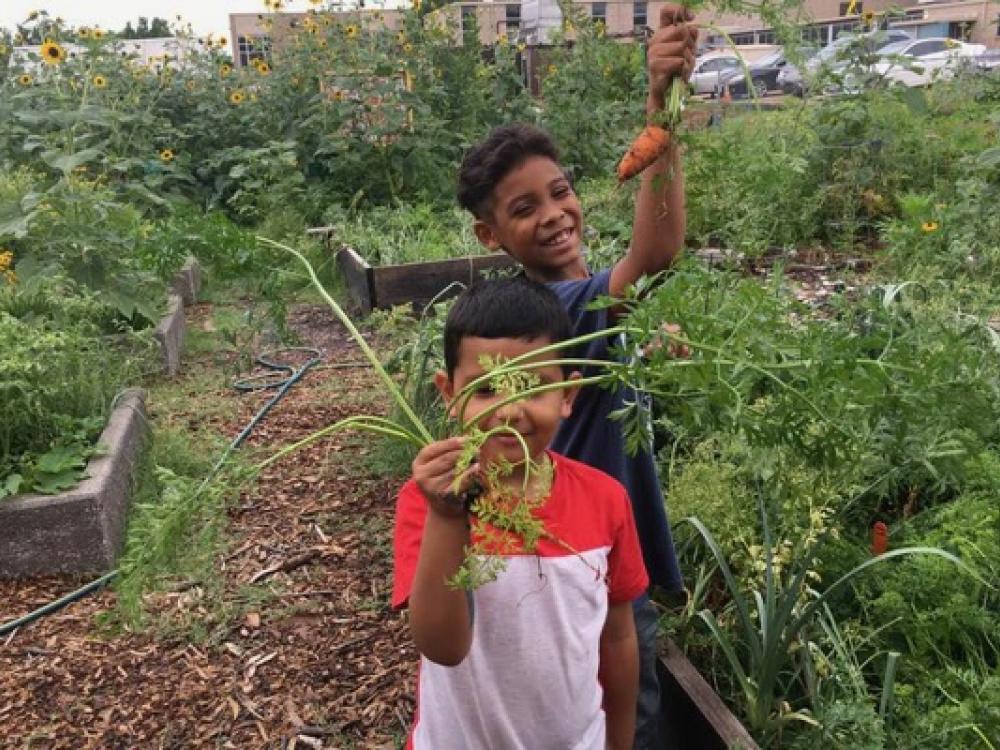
80	530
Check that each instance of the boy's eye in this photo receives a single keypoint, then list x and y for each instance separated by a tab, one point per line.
484	390
522	210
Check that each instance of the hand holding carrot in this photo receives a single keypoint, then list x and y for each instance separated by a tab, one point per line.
669	56
434	471
670	53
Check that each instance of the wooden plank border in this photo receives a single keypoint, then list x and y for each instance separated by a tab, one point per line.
695	715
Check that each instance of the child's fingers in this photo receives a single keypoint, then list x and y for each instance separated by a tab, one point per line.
438	450
671	14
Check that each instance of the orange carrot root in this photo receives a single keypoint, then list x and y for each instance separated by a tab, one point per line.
648	146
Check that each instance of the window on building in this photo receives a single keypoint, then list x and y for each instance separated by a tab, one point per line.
766	37
744	37
469	24
249	48
640	14
851	8
599	13
513	19
844	27
815	34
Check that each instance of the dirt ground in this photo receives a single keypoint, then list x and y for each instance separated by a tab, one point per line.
318	660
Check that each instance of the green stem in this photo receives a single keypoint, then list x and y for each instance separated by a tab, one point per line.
373	424
401	402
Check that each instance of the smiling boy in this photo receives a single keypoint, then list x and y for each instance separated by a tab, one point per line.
524	204
544	657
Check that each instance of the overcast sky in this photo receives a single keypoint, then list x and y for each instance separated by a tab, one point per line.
206	16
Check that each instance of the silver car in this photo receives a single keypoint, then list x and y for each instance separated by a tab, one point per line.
708	71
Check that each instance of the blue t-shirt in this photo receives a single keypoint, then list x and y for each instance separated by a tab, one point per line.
590	436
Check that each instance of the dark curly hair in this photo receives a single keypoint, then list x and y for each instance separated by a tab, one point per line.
514	307
489	161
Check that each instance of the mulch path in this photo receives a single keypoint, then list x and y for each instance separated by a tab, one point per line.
322	662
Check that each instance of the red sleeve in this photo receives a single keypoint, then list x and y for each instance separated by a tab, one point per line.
627	577
411	511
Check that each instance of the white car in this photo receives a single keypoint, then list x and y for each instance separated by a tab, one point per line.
708	71
920	61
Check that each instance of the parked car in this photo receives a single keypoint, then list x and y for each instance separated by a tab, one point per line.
920	61
708	71
988	60
791	80
763	73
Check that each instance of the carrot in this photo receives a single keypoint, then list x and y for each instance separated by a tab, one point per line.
880	538
648	146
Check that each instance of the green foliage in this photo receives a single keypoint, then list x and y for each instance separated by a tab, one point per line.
405	232
78	229
739	177
57	385
595	95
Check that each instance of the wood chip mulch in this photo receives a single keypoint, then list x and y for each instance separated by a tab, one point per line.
310	656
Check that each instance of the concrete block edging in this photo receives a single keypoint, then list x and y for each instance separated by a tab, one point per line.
80	530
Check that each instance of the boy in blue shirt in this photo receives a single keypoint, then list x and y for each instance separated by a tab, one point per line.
524	204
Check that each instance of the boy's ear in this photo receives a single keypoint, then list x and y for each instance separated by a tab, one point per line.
570	393
486	235
444	385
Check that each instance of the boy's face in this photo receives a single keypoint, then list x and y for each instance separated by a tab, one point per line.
536	418
536	217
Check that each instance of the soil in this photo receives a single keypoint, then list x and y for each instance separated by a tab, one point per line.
310	654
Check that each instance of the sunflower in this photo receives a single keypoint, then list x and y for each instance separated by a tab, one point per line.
221	41
167	155
83	32
338	95
521	46
350	31
416	4
100	82
237	97
264	69
502	38
190	85
10	277
225	69
401	37
929	226
315	2
408	48
551	70
6	259
97	34
868	17
25	80
52	53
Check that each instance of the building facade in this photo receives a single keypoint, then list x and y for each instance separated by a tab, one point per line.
259	35
822	21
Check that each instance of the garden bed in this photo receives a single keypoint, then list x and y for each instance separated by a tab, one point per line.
79	531
380	287
694	714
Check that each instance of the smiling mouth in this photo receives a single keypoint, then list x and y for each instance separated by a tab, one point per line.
559	237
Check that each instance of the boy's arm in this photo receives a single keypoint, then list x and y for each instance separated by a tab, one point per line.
440	617
619	675
659	223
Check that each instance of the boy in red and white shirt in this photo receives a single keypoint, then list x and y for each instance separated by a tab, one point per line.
545	657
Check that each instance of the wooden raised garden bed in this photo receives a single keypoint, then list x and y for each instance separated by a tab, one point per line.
696	718
381	287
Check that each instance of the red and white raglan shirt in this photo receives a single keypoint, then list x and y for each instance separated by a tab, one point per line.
530	681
